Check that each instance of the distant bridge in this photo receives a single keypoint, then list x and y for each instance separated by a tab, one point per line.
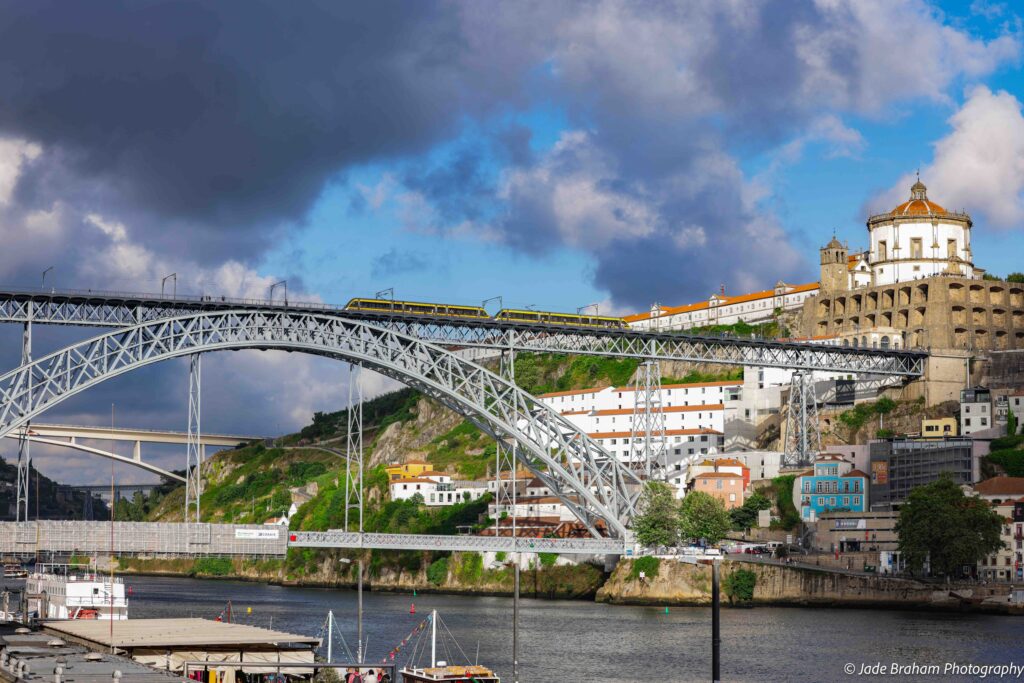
121	309
162	539
67	436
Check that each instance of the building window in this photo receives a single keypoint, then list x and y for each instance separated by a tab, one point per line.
915	247
883	253
950	248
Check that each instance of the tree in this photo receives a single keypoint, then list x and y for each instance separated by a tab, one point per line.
702	516
940	524
1015	277
658	521
745	516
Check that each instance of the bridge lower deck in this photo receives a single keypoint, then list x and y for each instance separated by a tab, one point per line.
164	539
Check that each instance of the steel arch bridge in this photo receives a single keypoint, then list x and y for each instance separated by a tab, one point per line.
600	490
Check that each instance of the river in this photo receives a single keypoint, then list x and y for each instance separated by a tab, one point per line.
584	641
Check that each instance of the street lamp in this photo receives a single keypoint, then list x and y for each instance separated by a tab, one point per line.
716	634
43	282
163	282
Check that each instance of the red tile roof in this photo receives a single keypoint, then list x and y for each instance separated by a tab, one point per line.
1001	486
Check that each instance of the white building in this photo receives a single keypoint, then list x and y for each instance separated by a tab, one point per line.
1015	404
975	410
720	309
437	489
695	416
915	240
919	239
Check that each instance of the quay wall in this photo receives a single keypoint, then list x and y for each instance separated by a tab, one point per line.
679	583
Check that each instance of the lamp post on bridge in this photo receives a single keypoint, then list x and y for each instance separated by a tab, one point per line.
280	283
163	282
42	283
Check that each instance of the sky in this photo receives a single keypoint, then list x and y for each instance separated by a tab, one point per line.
554	154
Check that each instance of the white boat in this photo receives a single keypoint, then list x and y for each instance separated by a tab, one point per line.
443	672
60	591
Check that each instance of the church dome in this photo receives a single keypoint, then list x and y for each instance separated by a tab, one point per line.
919	204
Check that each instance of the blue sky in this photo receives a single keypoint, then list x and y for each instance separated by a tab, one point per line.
555	154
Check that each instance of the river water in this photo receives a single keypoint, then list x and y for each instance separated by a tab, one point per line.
584	641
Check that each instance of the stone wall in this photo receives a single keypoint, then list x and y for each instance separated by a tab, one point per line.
679	583
936	312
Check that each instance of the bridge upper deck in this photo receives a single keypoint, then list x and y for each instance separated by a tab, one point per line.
121	309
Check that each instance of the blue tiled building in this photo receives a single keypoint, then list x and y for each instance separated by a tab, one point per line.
833	484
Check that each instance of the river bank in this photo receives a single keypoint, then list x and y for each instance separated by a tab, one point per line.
670	584
578	640
459	574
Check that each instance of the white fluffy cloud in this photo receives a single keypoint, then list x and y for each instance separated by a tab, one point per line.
979	165
14	154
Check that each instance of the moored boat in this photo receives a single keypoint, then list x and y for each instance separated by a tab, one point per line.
61	591
440	671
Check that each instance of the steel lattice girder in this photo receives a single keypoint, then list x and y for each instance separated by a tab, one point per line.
343	539
109	310
591	483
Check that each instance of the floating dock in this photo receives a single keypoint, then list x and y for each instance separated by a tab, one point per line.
168	644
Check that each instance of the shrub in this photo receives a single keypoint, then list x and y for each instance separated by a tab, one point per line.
471	568
212	566
548	559
648	564
437	572
500	556
739	585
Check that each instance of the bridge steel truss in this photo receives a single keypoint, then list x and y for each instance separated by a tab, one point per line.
512	544
599	490
98	309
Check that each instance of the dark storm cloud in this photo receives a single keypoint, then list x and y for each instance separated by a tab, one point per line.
225	118
396	262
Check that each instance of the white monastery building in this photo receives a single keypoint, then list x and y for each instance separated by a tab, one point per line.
918	239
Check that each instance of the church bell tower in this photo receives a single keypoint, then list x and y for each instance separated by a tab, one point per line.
834	271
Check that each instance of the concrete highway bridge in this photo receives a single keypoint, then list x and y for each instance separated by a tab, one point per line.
419	351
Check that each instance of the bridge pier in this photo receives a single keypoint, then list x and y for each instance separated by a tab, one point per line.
24	447
194	450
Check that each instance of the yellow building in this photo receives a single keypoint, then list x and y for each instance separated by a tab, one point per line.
409	470
940	426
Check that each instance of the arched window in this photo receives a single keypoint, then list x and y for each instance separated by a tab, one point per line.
885	342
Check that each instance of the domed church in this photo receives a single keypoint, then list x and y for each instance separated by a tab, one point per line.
919	239
915	286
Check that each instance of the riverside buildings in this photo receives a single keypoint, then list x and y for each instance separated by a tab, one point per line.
832	485
916	285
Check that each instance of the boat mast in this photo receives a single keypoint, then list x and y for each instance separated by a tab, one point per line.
330	635
433	639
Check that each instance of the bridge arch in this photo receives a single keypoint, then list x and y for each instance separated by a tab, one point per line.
593	484
104	454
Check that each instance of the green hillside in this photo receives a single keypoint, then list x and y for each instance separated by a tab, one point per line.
47	498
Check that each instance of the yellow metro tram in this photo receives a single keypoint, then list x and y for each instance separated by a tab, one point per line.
416	308
552	318
478	313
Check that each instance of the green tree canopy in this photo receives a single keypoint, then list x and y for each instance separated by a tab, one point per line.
703	516
745	516
940	524
658	521
1015	277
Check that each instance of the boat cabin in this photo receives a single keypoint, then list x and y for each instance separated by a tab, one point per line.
450	674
